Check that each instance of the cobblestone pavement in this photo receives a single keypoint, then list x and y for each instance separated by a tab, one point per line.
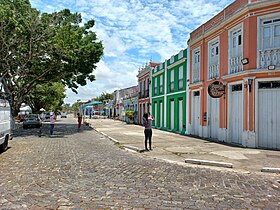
84	170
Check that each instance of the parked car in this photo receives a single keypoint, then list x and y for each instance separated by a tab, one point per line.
31	121
63	114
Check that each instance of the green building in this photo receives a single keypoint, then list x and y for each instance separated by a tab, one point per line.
169	93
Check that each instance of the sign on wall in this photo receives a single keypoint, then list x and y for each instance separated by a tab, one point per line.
216	89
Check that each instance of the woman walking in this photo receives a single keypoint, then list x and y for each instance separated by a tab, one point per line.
148	130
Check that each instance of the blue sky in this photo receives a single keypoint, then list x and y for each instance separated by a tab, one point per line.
133	32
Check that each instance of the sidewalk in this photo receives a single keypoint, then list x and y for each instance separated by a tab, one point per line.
179	148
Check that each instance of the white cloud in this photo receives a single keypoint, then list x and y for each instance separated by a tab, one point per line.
132	32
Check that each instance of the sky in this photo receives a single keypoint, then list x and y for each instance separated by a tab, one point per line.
133	32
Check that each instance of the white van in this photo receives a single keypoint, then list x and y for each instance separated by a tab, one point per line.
5	124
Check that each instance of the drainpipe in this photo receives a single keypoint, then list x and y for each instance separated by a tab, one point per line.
187	91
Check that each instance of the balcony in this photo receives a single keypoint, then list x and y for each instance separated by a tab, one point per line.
235	64
195	76
141	95
147	93
269	57
213	71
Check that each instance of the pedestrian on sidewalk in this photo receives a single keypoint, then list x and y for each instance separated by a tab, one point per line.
79	120
52	121
148	130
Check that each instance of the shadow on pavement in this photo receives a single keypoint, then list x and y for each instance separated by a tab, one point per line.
60	130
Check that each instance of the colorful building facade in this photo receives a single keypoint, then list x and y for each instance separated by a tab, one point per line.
119	97
144	90
235	75
169	93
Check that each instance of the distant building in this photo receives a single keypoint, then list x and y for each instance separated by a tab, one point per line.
118	101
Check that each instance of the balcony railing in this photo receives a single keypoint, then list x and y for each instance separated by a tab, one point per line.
147	93
213	71
269	57
235	64
195	76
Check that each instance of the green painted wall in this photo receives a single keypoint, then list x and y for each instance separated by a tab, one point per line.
157	93
176	99
176	95
156	103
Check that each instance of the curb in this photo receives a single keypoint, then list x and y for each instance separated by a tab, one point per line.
104	134
131	148
270	170
209	163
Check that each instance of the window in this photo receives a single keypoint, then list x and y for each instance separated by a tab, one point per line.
140	90
172	59
147	88
155	87
143	89
181	75
214	59
235	49
181	54
269	44
270	33
196	66
172	80
196	93
161	84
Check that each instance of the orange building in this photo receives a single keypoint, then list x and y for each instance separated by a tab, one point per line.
235	75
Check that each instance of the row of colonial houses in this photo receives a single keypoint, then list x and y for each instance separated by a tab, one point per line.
225	85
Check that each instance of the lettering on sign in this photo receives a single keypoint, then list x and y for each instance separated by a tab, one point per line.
216	89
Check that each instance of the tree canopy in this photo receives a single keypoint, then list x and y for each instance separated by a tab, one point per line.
39	48
104	96
49	96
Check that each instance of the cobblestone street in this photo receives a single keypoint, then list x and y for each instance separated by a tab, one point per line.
85	170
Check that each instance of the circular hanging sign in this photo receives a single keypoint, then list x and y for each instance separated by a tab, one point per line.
216	89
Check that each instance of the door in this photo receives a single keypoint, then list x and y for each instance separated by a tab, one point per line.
171	115
196	113
214	117
269	115
180	115
236	114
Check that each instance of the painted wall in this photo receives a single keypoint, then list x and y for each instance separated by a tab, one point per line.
248	16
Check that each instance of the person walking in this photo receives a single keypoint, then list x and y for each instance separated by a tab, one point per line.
79	120
52	120
148	130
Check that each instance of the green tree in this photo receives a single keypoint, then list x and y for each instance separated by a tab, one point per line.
104	96
40	48
75	106
66	106
48	96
